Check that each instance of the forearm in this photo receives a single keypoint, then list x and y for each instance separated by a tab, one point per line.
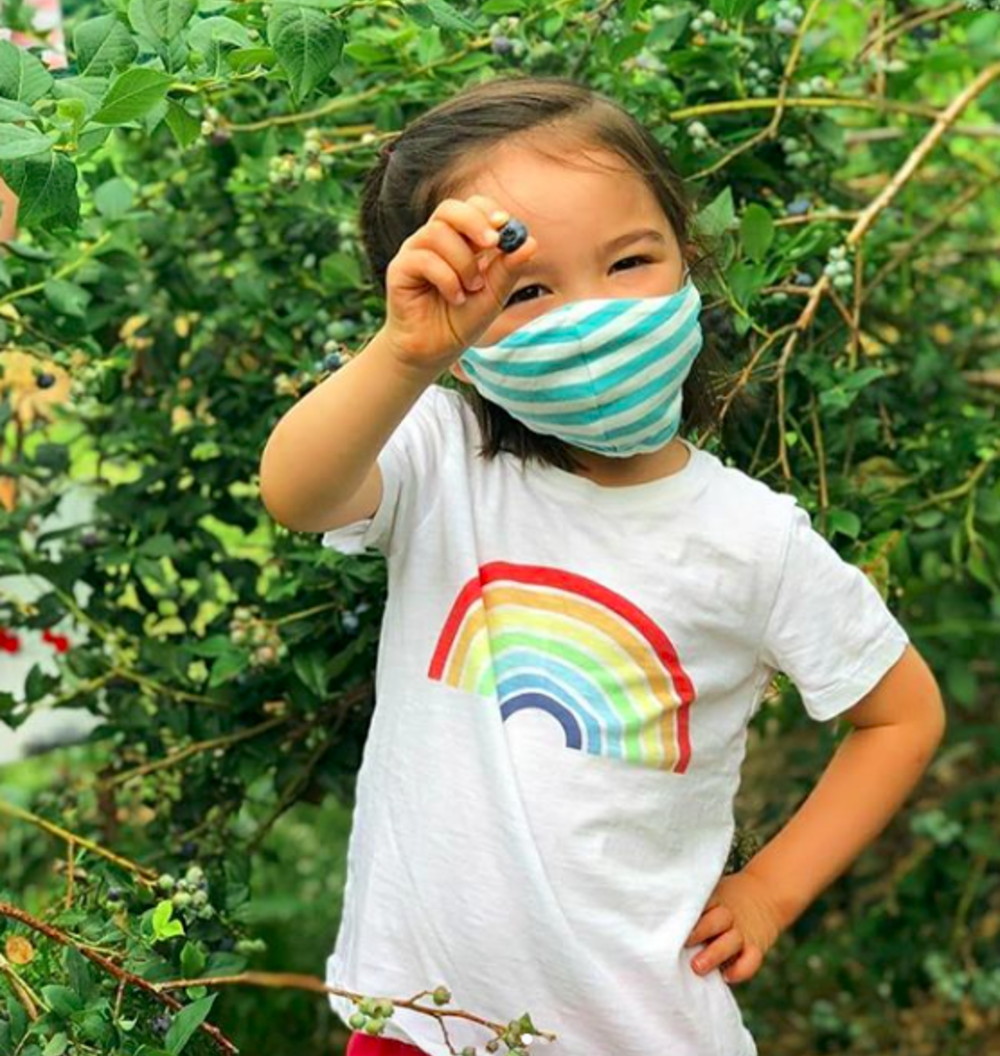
320	452
867	780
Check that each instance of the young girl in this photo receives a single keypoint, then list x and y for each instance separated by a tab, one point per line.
584	608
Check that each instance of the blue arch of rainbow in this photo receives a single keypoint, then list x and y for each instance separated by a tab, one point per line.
542	638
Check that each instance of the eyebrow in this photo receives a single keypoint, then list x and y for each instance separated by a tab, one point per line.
621	240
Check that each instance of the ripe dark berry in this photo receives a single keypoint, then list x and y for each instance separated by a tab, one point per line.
332	362
513	235
45	381
501	45
798	207
88	540
161	1024
114	894
803	278
189	849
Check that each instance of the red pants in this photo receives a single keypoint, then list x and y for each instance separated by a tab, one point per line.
360	1044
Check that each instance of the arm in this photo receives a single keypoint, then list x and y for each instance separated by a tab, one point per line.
322	453
898	726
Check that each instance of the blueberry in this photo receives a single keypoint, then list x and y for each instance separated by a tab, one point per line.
161	1024
350	622
501	45
114	894
513	235
45	381
803	278
189	849
332	362
798	207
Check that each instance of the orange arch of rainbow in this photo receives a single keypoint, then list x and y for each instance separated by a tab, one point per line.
538	637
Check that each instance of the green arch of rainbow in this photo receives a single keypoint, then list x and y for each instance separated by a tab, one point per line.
539	637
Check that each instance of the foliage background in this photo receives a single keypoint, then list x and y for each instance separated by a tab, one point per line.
188	266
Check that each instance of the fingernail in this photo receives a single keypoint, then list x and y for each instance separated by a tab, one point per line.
460	298
499	217
477	283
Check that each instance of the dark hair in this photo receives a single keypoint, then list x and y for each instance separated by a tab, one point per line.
435	153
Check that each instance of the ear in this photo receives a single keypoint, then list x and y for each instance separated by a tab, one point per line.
456	370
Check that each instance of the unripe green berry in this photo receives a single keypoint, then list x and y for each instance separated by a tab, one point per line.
182	899
375	1025
442	995
358	1020
165	882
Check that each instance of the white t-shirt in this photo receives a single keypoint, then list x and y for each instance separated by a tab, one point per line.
565	676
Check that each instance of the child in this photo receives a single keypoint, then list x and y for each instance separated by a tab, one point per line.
584	608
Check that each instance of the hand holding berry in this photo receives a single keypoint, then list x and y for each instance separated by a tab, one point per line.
739	924
451	279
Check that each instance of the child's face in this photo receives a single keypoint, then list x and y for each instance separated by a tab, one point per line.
573	212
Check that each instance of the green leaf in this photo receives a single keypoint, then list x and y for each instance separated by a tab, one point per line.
46	188
186	1022
67	297
103	45
183	127
192	959
718	215
131	95
444	15
17	142
246	58
22	76
757	230
163	926
113	198
63	1001
307	44
12	111
18	1018
161	19
81	975
57	1045
844	521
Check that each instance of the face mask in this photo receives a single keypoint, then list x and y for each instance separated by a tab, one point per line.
602	374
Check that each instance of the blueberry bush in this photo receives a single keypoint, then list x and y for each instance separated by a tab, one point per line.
187	265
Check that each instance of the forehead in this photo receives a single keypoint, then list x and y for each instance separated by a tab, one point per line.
589	190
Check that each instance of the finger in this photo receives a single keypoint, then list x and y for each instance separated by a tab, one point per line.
717	952
712	922
467	220
452	247
425	265
744	966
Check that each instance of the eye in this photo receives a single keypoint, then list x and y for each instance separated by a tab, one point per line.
513	299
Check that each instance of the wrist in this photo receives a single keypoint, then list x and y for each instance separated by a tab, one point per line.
415	376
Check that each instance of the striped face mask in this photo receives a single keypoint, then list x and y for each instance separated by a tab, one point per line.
601	374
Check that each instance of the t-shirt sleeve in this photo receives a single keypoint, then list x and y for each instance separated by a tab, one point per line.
829	629
411	464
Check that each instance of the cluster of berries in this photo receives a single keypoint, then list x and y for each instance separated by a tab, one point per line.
705	20
758	78
290	168
210	127
796	152
371	1015
838	268
246	629
787	15
817	85
189	894
502	39
700	136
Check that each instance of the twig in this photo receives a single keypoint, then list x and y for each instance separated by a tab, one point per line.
16	913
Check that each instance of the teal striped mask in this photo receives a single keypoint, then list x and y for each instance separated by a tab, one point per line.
601	374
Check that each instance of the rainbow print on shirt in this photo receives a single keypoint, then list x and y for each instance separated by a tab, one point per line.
537	637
